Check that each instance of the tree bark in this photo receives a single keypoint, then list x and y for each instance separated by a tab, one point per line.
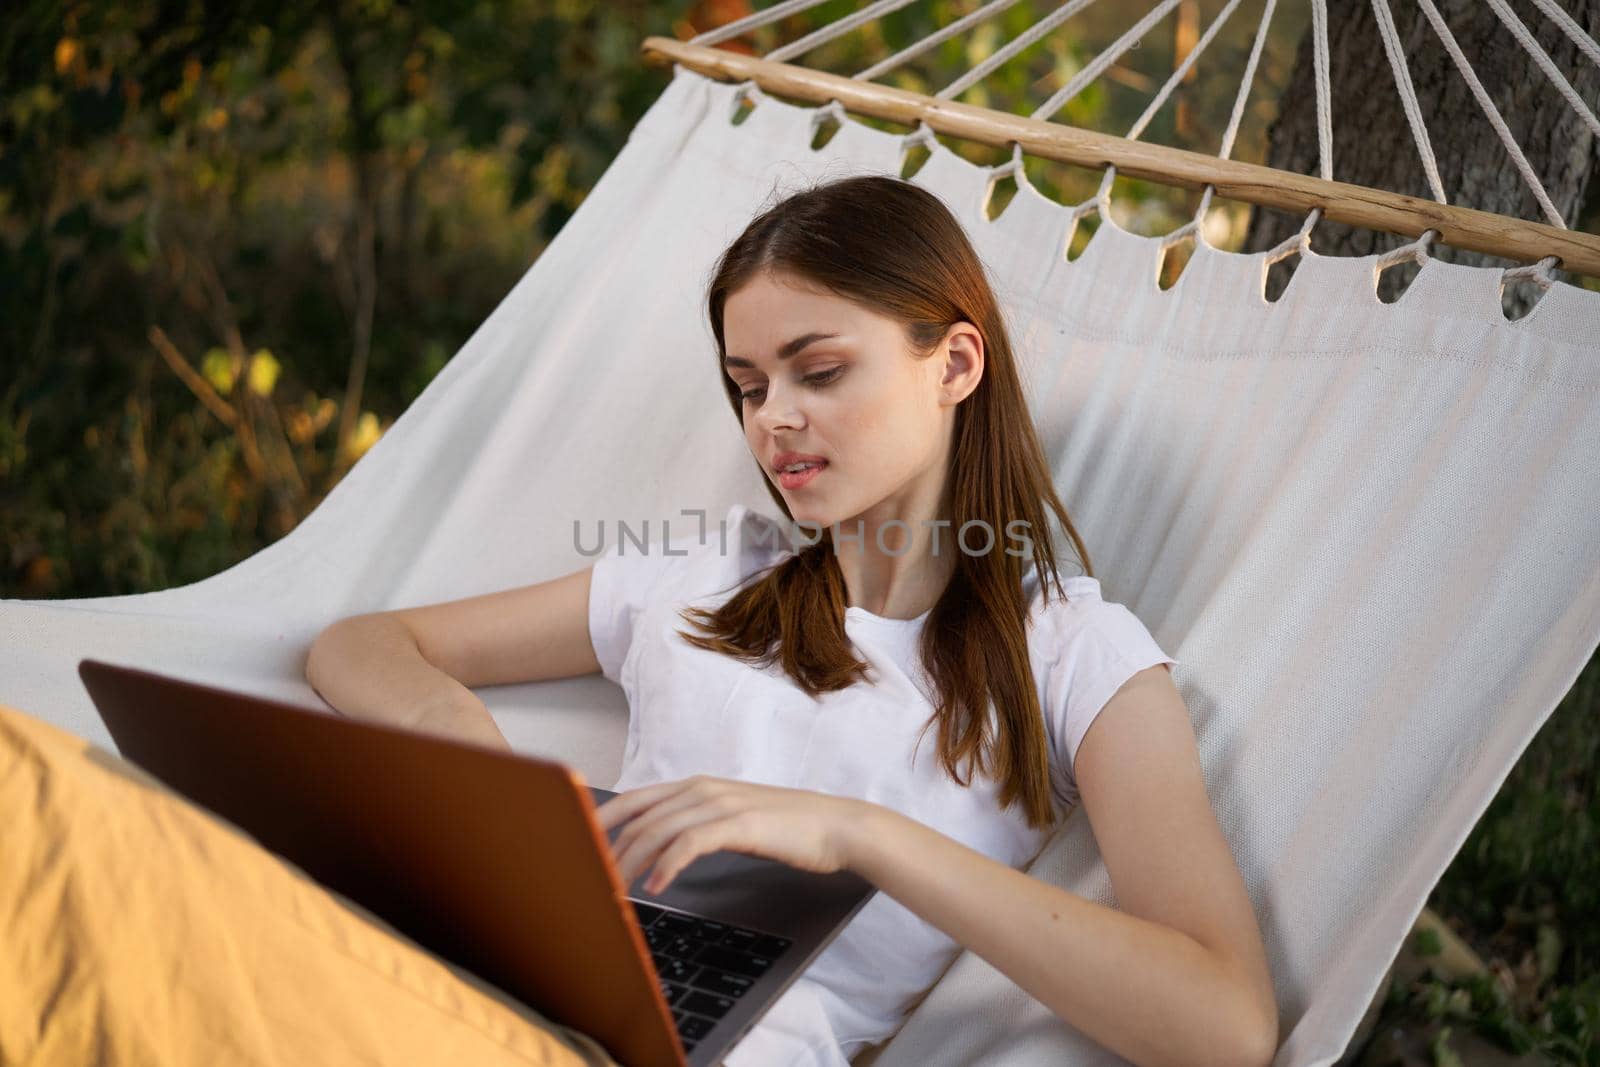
1373	144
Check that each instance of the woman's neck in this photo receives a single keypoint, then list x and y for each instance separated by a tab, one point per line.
894	567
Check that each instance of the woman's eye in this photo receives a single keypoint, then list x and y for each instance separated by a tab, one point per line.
821	378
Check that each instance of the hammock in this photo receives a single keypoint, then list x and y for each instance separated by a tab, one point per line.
1369	531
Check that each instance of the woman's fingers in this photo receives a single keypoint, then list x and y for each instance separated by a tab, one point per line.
656	830
688	846
670	824
625	806
663	807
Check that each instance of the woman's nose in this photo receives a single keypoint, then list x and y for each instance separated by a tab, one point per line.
779	411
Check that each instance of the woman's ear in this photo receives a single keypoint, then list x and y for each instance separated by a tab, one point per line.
963	362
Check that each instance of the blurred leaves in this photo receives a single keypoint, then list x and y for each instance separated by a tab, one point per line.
1524	891
207	211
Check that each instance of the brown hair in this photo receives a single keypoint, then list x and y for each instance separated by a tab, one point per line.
893	247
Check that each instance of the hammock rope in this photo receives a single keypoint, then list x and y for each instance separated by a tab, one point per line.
1181	72
1246	82
1546	64
1571	28
924	134
1491	113
1047	111
837	28
938	37
1319	66
753	21
1023	40
1028	37
1237	116
1408	96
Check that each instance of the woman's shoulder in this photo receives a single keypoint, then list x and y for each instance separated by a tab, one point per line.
757	539
704	554
1084	648
743	543
695	558
1079	614
1080	643
1078	594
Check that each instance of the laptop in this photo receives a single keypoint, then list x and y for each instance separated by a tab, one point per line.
492	860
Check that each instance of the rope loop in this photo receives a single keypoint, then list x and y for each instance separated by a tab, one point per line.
1100	201
832	107
748	90
1103	195
1172	238
1418	251
1539	273
1311	220
1010	166
1296	243
1195	225
922	135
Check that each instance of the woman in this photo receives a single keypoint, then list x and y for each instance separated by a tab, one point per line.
865	355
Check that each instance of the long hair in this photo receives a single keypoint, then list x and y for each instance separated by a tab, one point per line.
891	246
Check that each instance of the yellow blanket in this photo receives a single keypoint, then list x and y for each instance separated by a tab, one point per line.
138	928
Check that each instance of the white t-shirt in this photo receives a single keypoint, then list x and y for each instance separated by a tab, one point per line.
692	711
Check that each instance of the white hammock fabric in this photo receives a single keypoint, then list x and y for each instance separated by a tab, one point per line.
1370	532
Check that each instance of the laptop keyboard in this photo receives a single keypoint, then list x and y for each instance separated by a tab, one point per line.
704	965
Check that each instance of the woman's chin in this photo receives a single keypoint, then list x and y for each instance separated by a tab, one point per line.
807	506
811	515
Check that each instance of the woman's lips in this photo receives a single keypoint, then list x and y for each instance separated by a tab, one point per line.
800	479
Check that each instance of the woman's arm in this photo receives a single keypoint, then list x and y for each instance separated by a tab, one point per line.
370	667
1178	975
417	667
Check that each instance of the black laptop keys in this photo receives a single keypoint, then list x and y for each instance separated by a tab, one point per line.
704	966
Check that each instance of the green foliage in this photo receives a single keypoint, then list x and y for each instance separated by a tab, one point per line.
1564	1028
1523	892
1531	866
207	173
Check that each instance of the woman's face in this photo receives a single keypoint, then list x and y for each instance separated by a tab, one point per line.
827	379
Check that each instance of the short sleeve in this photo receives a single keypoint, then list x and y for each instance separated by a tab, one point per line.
624	580
666	566
1100	645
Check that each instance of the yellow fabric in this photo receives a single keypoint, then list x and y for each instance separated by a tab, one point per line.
138	928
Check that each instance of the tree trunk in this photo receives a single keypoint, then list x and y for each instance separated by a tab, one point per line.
1372	141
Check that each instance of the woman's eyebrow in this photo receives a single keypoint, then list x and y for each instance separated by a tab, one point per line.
785	350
